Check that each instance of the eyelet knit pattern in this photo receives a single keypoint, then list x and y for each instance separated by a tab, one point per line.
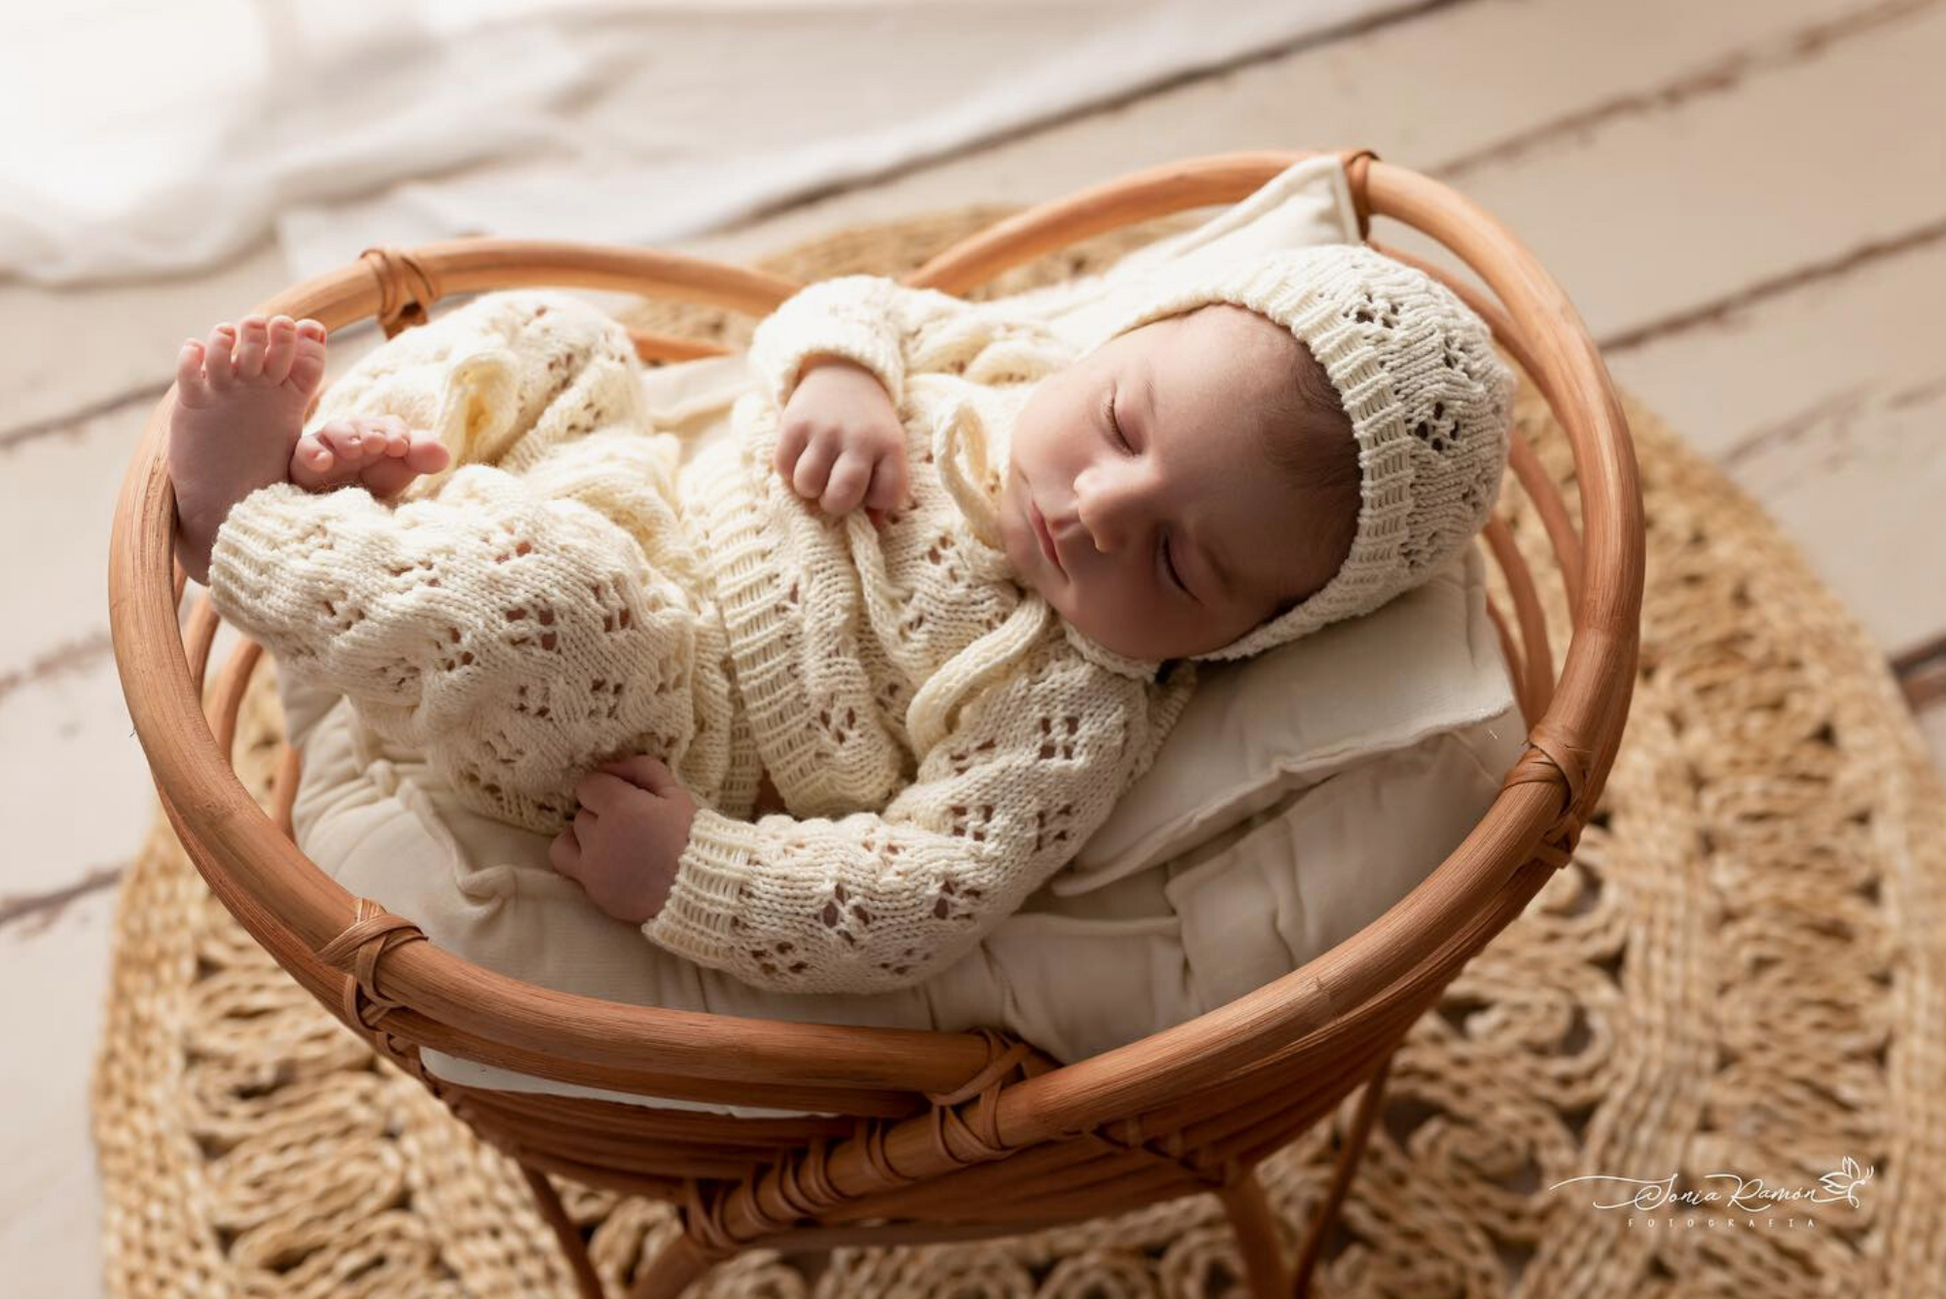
516	622
942	740
962	745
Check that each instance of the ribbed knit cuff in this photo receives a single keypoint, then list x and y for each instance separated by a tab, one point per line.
850	317
253	548
694	922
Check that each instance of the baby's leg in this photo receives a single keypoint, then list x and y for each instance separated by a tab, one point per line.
240	402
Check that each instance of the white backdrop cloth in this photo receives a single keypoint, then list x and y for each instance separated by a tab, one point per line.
147	139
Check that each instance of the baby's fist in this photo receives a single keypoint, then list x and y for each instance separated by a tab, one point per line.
627	839
840	441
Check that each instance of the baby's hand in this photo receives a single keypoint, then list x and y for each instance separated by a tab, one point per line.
840	441
626	840
377	452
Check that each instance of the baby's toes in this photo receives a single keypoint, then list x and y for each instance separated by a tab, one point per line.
307	356
192	389
253	340
280	349
218	366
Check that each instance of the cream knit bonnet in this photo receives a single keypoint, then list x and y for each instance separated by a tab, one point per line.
1430	404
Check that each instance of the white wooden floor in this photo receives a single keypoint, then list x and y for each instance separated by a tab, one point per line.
1746	200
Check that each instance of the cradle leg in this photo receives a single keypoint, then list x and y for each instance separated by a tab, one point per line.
670	1271
1334	1197
1256	1229
576	1249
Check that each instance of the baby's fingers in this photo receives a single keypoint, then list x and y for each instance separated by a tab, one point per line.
646	772
426	454
564	854
846	486
312	453
602	791
889	489
813	469
791	441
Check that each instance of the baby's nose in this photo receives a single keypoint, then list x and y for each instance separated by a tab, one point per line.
1110	510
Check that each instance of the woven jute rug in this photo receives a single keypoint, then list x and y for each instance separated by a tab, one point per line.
1736	990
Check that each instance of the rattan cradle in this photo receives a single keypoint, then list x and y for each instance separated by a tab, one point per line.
931	1125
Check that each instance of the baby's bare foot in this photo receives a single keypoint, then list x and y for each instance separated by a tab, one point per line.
376	452
240	402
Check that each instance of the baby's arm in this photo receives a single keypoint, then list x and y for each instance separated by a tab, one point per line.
871	902
834	357
871	320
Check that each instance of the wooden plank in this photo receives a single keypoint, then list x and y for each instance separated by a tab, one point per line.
62	486
61	704
1860	487
69	746
1827	402
69	351
1788	159
1454	87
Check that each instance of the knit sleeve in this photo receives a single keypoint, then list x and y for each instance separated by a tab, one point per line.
506	610
874	901
871	319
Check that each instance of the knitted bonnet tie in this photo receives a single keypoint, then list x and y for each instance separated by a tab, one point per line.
961	434
1429	400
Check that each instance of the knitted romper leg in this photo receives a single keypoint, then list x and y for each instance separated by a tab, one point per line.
533	611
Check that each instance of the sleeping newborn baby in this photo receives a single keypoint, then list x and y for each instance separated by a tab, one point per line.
939	595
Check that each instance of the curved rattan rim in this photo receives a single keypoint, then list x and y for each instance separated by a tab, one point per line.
449	1004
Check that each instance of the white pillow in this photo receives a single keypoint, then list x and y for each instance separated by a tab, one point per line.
1258	729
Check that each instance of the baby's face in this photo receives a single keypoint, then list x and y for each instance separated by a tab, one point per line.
1145	461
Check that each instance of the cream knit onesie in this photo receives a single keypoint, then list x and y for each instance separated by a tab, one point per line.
569	591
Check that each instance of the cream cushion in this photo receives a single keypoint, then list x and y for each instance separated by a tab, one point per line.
1076	974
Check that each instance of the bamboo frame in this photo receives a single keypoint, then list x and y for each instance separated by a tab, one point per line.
1191	1108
